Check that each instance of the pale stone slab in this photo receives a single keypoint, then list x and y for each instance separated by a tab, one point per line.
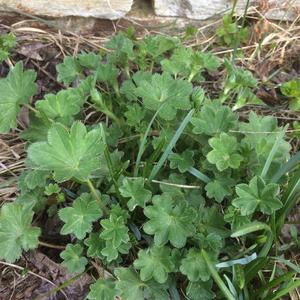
105	9
204	9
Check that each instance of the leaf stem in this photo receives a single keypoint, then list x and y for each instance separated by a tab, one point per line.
44	244
217	277
32	108
96	196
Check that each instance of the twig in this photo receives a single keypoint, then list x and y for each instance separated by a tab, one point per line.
44	244
33	274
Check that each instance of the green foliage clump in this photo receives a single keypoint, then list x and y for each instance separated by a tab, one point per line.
165	185
230	33
291	89
7	43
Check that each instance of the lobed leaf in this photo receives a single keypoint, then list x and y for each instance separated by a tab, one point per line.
16	90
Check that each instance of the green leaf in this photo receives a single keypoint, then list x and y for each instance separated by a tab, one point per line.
132	287
171	144
225	152
259	126
210	220
117	211
261	134
7	43
200	290
16	90
129	86
36	178
233	216
194	266
291	89
239	83
16	231
73	259
169	222
95	245
78	219
257	195
121	44
52	188
115	234
37	130
89	60
134	189
107	73
69	70
134	114
34	198
211	242
198	96
188	63
155	262
65	104
218	190
102	290
179	63
156	45
201	61
114	230
213	119
68	154
163	89
183	162
112	253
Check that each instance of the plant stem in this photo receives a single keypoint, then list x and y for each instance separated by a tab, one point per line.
31	108
44	244
96	196
217	277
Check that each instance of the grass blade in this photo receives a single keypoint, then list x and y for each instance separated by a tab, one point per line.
273	152
171	145
217	277
289	200
143	144
285	277
154	156
293	161
242	261
231	287
251	227
252	269
267	245
199	175
288	263
279	294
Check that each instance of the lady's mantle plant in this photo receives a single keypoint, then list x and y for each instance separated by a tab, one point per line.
167	188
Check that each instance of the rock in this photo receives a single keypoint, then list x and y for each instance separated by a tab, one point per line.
193	9
204	9
105	9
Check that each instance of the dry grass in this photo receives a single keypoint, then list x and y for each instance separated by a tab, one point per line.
11	164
